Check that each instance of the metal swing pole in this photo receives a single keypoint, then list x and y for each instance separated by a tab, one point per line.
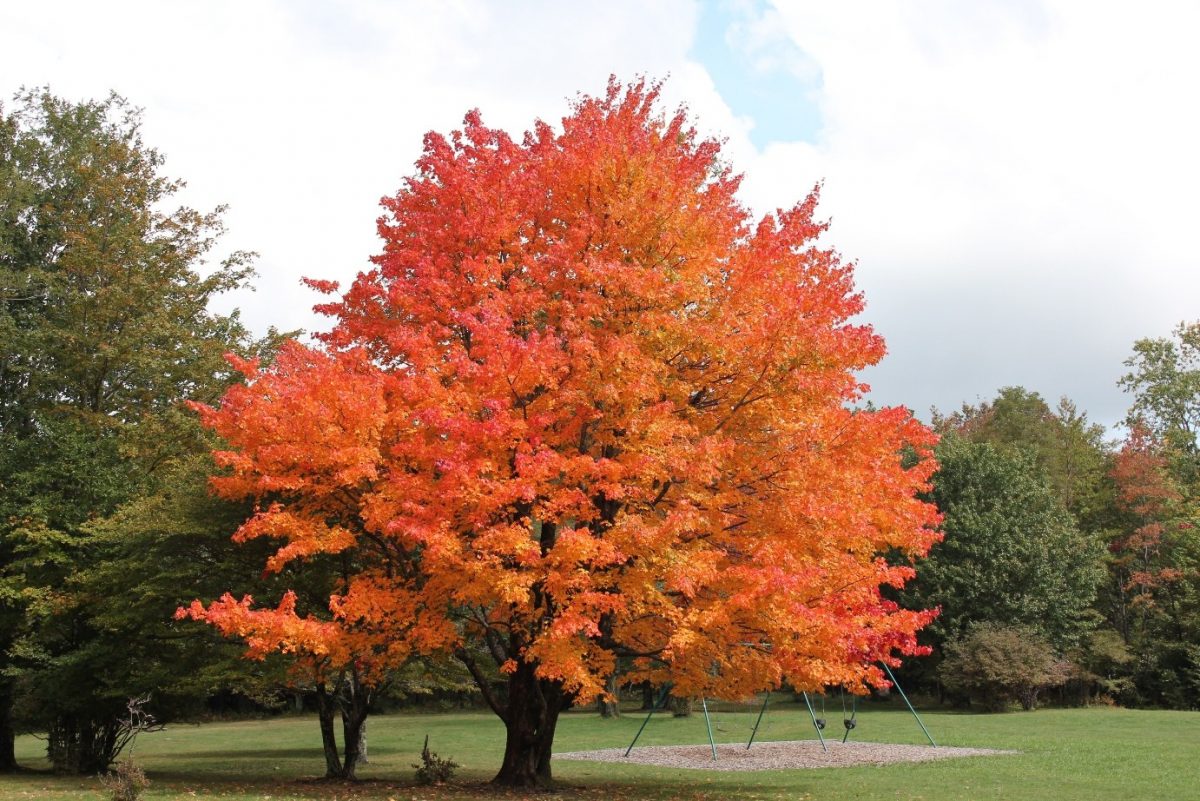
708	724
761	712
849	722
900	690
657	705
813	715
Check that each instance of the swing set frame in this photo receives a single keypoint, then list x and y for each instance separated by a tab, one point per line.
818	724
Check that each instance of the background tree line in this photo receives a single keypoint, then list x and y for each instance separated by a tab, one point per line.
1078	551
1056	537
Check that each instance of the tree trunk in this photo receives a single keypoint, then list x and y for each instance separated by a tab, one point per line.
532	714
362	745
8	755
354	718
353	702
649	697
326	709
681	707
610	707
81	745
560	701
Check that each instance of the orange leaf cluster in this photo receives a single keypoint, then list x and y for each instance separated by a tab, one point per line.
584	407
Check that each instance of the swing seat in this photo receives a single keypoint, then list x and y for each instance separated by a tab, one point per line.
820	723
849	724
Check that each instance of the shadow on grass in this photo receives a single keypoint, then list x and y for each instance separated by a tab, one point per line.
256	753
183	785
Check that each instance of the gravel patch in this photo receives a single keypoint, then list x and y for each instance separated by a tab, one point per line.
793	755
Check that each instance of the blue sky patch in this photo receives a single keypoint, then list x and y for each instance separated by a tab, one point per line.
758	70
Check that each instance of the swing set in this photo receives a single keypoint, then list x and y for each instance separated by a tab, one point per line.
849	722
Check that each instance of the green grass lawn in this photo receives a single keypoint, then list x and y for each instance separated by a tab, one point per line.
1084	754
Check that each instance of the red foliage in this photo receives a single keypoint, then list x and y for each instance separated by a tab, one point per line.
1147	495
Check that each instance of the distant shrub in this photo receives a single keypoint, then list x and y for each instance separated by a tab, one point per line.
126	781
433	769
996	664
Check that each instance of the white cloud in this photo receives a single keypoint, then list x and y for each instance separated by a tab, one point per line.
1016	179
301	116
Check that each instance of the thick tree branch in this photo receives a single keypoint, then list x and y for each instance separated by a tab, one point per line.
481	681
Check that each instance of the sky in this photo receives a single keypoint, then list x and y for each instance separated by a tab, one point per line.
1015	179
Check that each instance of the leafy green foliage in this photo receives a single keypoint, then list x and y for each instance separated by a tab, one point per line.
104	331
156	552
105	308
997	664
1102	668
1164	379
1068	449
1011	553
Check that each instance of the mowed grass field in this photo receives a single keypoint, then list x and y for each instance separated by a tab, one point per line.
1086	754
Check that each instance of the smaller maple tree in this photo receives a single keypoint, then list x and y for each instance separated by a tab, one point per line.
584	409
1148	499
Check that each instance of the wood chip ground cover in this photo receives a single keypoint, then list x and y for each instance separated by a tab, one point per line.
792	755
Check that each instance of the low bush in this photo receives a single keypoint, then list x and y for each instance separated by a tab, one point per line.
433	769
126	781
996	664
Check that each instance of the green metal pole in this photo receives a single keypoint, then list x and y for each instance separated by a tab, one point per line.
711	742
900	690
853	715
766	698
657	705
813	715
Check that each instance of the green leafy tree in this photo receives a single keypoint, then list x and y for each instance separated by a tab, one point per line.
104	330
1011	554
1068	448
1101	667
154	553
1164	378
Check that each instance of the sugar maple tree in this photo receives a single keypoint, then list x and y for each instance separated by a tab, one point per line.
585	408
